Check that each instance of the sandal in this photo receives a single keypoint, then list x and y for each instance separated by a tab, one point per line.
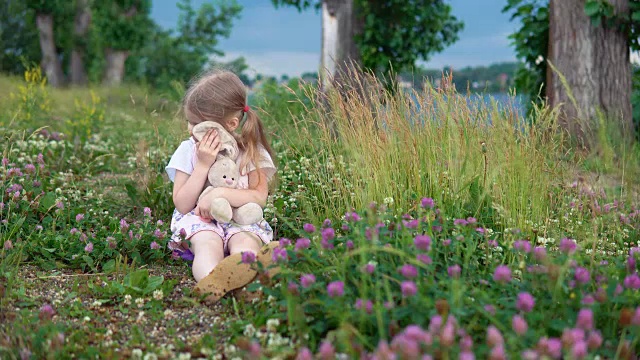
231	274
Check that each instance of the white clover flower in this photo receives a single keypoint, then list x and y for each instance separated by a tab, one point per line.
158	294
249	330
168	313
150	356
140	302
388	201
86	318
136	354
184	356
272	325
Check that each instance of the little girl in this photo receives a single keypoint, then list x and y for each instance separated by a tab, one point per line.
220	96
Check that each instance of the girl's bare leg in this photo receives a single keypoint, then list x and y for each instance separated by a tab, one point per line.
208	251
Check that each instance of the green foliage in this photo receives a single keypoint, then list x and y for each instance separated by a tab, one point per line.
123	24
18	36
532	38
177	56
396	33
531	43
369	276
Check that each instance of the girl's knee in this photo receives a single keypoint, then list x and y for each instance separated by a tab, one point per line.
244	241
206	238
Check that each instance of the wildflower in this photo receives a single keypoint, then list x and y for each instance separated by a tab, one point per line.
494	337
635	320
157	294
349	244
158	234
326	350
307	280
568	246
446	242
284	242
522	245
272	325
594	340
497	353
582	275
30	168
127	299
140	302
481	230
60	205
255	350
309	228
154	245
39	227
540	253
525	302
328	234
147	211
502	274
46	312
424	258
408	288
466	343
279	255
183	233
335	288
369	268
367	305
123	225
40	159
572	336
435	323
1	205
588	299
8	245
326	223
579	350
454	271
492	243
428	203
248	257
5	161
467	355
292	287
388	201
632	281
89	247
585	319
352	217
409	271
490	309
460	222
519	324
422	242
304	354
79	217
411	224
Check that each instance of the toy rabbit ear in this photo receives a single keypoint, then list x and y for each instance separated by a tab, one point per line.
201	129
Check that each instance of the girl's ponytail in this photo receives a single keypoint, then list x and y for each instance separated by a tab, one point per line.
252	136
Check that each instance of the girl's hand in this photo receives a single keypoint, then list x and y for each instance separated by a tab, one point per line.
207	149
202	208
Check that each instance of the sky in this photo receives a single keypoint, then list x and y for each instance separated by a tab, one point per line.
285	41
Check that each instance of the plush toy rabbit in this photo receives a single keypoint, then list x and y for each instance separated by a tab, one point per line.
225	173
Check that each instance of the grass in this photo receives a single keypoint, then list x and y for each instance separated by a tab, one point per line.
473	178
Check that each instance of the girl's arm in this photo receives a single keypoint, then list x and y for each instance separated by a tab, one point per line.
257	192
187	188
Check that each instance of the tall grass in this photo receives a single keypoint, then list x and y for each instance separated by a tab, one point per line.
474	158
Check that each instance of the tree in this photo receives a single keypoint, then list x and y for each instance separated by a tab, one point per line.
18	36
380	34
82	21
45	12
169	56
595	62
125	27
588	44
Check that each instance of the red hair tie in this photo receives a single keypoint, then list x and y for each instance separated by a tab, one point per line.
246	108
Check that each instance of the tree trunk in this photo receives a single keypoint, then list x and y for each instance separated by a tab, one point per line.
50	61
340	25
115	66
596	65
81	27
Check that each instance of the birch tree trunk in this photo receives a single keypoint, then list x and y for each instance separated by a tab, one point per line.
50	62
81	27
340	25
115	66
596	65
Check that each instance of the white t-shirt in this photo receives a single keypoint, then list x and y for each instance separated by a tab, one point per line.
184	159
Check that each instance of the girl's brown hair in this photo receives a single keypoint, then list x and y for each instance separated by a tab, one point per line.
220	96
